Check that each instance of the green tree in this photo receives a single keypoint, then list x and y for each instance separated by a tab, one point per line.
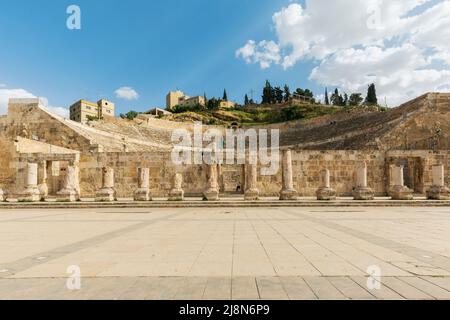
287	93
345	102
267	96
213	103
131	115
355	99
337	99
246	101
278	95
327	99
371	98
225	95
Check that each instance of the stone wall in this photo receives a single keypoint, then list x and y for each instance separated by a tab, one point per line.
126	166
28	120
306	168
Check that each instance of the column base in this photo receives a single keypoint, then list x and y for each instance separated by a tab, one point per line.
142	195
211	195
289	194
363	193
438	193
176	195
326	194
30	194
106	194
66	195
43	190
251	195
401	193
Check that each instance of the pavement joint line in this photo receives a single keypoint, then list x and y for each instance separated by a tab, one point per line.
33	260
292	246
438	261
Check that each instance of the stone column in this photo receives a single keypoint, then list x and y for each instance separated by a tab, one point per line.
212	192
43	186
2	195
362	191
438	191
69	193
325	192
31	192
398	190
177	193
106	193
143	191
287	192
251	184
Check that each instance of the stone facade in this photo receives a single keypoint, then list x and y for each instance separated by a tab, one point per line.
414	136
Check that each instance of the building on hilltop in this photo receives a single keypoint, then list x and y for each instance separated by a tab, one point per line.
178	98
227	104
173	99
81	110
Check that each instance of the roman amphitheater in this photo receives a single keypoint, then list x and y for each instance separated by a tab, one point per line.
402	153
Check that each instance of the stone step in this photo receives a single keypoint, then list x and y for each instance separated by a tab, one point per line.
225	204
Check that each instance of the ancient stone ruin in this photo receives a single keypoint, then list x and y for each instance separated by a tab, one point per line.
403	153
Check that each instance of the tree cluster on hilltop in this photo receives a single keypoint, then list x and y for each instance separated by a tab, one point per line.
355	99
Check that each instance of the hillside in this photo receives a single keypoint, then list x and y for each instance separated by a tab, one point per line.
263	114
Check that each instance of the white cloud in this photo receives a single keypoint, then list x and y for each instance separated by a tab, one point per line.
265	53
127	93
6	94
401	45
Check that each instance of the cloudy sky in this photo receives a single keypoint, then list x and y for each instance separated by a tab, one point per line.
134	51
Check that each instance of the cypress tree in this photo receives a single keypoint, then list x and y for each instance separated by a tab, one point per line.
371	98
225	96
327	99
287	93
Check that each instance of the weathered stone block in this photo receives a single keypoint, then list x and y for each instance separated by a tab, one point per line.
211	195
401	193
66	195
438	193
105	194
290	195
326	194
251	195
30	194
176	195
142	194
363	193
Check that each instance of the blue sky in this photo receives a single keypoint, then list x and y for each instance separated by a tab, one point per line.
151	46
156	46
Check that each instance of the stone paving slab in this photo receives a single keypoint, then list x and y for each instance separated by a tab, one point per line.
226	253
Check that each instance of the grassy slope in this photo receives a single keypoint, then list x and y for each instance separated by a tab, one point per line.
265	114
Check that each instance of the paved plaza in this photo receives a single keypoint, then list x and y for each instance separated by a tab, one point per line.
226	253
